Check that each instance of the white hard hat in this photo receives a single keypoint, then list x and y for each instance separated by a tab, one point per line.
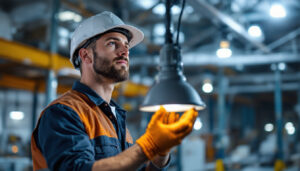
98	24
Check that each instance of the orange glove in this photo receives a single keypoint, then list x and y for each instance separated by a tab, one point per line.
160	137
169	118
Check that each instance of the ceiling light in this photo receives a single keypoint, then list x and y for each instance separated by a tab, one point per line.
161	10
207	87
15	149
255	31
289	126
16	115
189	9
277	11
269	127
198	124
63	32
171	89
281	66
68	16
175	10
224	53
159	29
63	42
146	4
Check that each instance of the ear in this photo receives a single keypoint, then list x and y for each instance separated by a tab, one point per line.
85	55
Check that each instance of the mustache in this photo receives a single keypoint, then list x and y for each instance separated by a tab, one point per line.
121	58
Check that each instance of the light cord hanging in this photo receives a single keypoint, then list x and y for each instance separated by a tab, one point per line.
168	36
171	89
179	22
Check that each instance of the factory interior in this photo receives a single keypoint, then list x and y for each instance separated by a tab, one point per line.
241	57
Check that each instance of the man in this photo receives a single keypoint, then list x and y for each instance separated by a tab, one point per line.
84	129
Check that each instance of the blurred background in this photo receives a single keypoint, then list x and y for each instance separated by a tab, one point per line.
241	56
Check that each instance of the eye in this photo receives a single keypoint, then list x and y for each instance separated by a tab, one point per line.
111	43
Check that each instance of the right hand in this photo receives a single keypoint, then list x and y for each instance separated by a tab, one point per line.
160	137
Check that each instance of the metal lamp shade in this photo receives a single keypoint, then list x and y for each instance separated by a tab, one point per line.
171	89
174	95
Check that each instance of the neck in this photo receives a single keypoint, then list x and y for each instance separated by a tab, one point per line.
102	86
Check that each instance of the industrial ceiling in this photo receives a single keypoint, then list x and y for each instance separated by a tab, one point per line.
205	23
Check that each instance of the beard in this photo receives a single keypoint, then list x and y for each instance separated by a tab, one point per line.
105	67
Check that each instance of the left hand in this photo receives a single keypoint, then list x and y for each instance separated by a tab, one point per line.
170	118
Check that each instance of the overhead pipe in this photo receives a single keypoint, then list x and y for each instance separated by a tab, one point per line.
203	59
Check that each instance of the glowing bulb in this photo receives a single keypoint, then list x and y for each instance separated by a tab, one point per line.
198	124
207	87
159	29
171	107
281	66
16	115
224	53
15	149
146	4
277	11
269	127
69	15
289	126
160	9
255	31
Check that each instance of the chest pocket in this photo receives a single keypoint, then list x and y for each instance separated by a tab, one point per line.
106	148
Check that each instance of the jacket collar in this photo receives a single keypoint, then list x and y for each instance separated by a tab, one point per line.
93	96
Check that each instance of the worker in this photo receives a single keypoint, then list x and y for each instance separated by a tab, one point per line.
84	129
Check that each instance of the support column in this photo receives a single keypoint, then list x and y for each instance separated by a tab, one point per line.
4	113
51	75
34	106
221	114
279	164
51	86
221	121
298	112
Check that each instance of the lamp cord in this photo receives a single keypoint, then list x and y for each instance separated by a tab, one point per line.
168	36
179	22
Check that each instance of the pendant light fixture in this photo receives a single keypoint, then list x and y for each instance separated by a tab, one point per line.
171	89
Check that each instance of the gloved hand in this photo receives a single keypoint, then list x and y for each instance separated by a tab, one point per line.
160	137
169	118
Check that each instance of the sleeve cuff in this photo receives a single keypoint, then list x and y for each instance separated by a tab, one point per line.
88	165
155	168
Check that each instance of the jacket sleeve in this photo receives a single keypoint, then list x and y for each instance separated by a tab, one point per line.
63	140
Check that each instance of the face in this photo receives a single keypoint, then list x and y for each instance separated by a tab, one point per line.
111	57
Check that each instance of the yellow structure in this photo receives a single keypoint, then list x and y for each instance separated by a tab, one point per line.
279	165
30	56
220	165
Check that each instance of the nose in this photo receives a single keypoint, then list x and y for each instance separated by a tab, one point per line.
123	51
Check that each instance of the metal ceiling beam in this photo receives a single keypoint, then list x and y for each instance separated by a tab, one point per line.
290	36
199	37
201	59
262	88
129	89
262	78
78	7
28	55
13	82
142	17
220	18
